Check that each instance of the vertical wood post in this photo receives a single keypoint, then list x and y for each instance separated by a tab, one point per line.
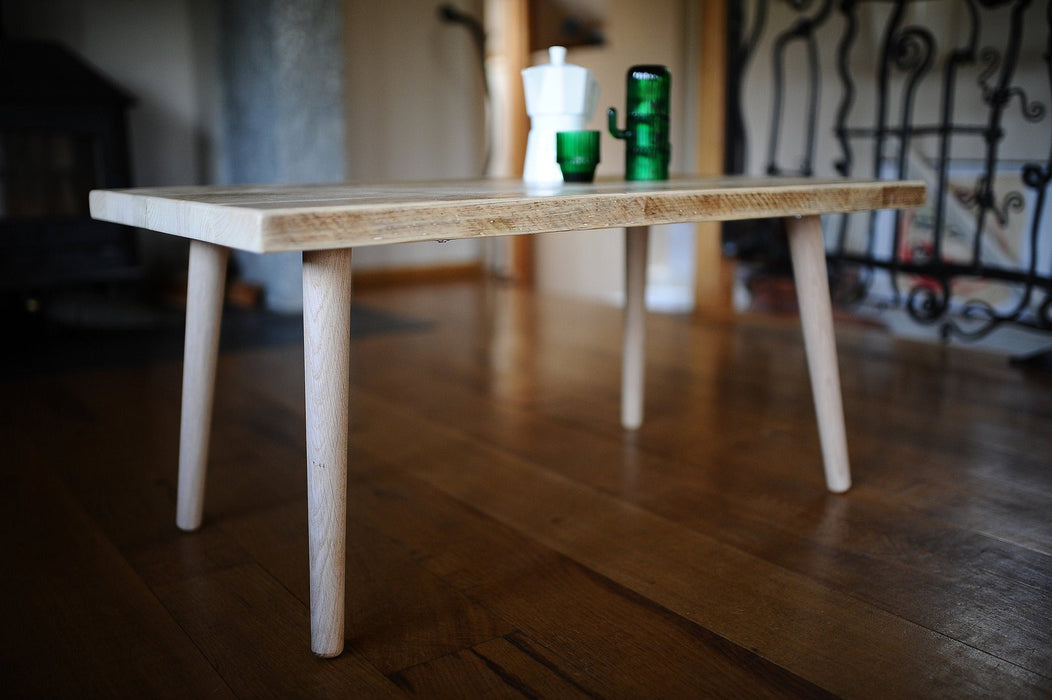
713	276
206	280
326	355
507	53
816	316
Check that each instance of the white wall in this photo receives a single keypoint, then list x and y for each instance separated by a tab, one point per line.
415	110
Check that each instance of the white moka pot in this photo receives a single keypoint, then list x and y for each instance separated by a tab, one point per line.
559	97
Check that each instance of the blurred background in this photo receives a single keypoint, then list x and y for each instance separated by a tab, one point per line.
113	93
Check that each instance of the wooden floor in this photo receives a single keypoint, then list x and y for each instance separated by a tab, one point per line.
507	538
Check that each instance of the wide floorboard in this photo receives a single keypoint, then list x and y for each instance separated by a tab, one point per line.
507	538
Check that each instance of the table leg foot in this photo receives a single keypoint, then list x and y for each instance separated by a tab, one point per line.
634	339
816	316
204	311
326	347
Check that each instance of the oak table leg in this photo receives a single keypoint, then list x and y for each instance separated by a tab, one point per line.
816	315
204	311
326	354
633	361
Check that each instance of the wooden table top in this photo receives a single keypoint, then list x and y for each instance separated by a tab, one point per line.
272	218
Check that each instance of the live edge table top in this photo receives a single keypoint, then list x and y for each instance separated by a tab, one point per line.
273	218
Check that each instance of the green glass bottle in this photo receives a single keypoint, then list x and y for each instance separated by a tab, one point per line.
646	132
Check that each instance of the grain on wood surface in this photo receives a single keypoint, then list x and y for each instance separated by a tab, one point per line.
303	217
204	310
326	358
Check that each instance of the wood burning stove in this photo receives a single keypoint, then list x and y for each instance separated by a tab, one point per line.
63	131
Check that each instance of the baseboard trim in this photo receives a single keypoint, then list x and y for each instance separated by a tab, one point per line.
391	276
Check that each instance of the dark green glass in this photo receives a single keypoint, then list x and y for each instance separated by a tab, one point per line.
577	153
646	133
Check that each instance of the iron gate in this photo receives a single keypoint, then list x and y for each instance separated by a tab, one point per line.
953	92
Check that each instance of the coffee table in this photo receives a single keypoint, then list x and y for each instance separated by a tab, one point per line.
326	222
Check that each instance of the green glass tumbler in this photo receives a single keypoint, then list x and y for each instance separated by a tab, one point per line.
577	153
646	132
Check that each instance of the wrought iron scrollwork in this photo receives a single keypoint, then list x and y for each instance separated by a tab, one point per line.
927	303
805	30
1001	97
910	68
1045	312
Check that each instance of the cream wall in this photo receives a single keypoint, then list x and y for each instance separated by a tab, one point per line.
415	110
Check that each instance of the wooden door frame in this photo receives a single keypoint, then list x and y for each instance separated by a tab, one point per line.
507	54
713	276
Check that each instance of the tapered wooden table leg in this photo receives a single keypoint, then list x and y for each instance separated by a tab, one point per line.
633	361
204	311
326	349
816	316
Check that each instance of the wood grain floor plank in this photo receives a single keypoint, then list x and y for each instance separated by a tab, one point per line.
495	669
510	536
869	548
465	674
801	624
721	386
78	622
599	635
400	618
716	386
253	632
679	656
993	605
398	613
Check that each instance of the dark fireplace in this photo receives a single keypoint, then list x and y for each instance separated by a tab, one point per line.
63	132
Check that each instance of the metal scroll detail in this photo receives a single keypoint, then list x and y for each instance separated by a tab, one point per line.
930	104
